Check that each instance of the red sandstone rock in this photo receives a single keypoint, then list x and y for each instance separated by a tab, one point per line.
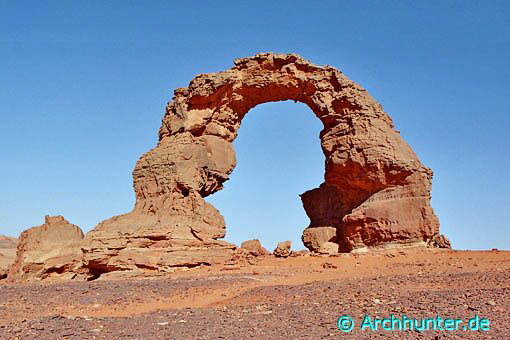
49	250
376	192
282	249
254	248
299	253
439	241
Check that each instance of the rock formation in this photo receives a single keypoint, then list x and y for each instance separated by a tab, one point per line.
7	254
375	194
8	242
282	249
253	247
439	241
49	249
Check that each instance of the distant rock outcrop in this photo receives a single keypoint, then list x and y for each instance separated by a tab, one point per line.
8	242
49	250
7	254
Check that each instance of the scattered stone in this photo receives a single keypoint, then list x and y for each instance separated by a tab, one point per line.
328	265
298	253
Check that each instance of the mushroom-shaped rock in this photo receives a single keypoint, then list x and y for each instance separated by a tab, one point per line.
51	250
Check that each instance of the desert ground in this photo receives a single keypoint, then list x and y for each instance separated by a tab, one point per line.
264	297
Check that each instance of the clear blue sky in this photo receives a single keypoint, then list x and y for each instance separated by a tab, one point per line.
83	87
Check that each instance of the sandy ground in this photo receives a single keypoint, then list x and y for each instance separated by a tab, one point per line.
264	298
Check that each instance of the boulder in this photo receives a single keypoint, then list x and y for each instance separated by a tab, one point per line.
51	250
282	249
253	247
298	253
328	248
440	241
320	238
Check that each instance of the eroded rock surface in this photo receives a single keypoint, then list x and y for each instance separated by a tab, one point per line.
49	250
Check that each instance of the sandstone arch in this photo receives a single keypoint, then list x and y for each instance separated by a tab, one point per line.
375	193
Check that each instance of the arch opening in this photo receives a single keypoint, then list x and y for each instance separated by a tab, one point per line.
279	156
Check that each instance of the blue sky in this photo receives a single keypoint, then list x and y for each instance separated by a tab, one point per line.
83	87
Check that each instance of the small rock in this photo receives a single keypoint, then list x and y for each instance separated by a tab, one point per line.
329	265
282	249
298	253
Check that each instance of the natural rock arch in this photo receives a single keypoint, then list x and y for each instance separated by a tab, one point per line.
375	192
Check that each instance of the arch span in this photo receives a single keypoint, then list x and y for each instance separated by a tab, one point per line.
376	192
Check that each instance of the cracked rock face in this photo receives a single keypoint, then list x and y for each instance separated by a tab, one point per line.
375	194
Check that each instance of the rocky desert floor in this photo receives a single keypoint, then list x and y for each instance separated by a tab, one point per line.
270	298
